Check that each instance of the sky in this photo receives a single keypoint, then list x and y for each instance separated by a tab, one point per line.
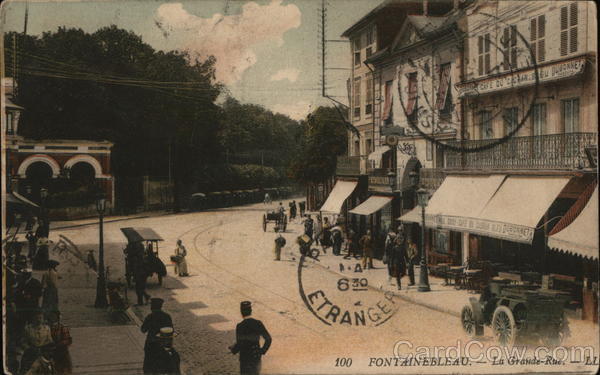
268	51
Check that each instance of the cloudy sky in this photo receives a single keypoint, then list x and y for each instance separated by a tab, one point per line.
268	51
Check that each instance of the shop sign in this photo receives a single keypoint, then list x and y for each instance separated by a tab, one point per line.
547	73
495	229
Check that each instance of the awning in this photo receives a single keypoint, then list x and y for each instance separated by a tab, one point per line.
457	197
377	155
371	205
581	236
491	206
341	191
141	234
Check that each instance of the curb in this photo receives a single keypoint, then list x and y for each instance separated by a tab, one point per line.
405	297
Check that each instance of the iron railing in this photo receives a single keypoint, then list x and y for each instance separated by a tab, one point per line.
431	178
551	151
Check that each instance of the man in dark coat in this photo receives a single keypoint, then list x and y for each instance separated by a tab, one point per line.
27	298
248	333
156	320
163	358
308	226
399	259
141	275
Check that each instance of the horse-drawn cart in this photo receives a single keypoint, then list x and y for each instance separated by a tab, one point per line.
517	311
279	218
141	254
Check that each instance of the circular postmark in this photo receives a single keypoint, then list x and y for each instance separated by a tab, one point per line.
494	58
343	297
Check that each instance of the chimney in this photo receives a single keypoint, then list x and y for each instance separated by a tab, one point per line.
425	7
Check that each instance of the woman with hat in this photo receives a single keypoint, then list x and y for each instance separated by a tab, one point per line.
181	267
50	285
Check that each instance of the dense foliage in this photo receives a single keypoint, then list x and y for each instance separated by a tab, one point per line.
158	108
323	140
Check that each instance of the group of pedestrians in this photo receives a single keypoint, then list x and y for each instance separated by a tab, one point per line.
37	342
400	254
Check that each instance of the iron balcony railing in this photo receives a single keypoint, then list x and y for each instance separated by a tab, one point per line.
431	178
552	151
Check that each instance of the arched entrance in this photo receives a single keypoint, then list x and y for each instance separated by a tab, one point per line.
38	175
82	174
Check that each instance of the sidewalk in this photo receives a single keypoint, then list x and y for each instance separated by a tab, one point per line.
62	224
100	346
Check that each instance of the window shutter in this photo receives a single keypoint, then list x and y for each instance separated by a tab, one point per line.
480	45
487	43
573	42
513	57
541	51
487	63
573	14
564	40
513	35
541	26
480	71
533	29
505	45
564	18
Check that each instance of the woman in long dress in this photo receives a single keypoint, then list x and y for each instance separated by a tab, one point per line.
50	294
181	266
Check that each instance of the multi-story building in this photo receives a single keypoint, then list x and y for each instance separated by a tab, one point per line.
524	165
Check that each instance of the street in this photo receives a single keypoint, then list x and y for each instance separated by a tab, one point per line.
230	260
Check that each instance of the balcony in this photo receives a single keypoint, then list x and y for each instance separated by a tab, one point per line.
431	178
348	165
552	151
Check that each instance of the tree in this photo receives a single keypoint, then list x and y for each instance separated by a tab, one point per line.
111	85
324	138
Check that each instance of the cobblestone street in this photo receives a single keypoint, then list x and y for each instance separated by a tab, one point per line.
231	260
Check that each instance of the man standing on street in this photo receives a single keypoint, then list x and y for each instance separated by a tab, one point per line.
248	333
279	244
156	320
411	254
366	243
308	227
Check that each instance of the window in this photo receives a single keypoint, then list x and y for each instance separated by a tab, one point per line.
387	105
568	29
509	47
356	148
368	145
538	119
412	105
570	115
485	125
483	48
357	47
9	123
537	35
444	100
369	99
370	36
357	97
510	116
429	151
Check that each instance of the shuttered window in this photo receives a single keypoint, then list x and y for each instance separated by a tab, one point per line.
357	97
568	29
537	38
485	125
509	47
483	48
369	98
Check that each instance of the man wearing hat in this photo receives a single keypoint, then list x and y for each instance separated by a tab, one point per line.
156	320
28	295
163	358
248	333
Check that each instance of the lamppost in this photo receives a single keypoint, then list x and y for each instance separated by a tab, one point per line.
422	200
44	209
101	283
392	182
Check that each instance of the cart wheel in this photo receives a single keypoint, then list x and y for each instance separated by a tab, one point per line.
504	326
469	324
264	223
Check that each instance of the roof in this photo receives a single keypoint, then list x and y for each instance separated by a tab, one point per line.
141	234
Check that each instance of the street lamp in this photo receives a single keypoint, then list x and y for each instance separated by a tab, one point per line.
422	200
44	209
101	283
